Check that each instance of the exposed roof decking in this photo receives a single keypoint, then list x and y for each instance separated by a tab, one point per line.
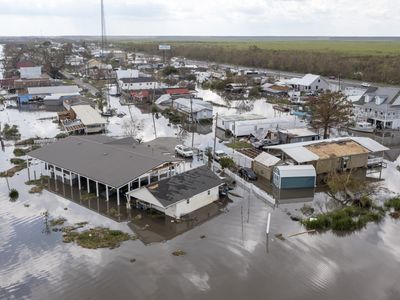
111	164
339	149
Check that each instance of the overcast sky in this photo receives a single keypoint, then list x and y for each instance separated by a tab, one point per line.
202	17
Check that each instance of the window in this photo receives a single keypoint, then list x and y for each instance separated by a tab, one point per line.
188	201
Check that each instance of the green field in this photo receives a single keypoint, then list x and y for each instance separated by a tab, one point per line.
364	60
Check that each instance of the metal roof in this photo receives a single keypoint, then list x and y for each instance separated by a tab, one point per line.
88	115
184	186
267	159
301	154
112	164
61	89
242	117
370	144
296	171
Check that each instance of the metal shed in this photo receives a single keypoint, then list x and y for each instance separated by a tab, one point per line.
294	177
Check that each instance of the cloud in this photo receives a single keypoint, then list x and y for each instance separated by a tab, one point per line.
206	17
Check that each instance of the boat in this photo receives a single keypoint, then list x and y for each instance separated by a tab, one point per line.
363	127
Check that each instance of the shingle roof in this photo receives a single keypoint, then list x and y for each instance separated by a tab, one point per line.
184	185
111	164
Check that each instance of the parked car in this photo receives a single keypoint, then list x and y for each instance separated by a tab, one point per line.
184	151
265	143
219	154
247	173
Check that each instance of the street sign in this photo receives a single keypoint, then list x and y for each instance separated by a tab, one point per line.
164	47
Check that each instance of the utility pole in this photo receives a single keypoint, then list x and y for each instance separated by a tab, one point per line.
191	116
215	135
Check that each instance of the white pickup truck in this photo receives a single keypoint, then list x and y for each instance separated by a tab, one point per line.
184	151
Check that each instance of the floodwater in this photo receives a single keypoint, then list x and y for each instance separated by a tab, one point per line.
234	260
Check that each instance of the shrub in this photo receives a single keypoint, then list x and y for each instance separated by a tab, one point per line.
226	162
19	152
13	194
393	203
61	135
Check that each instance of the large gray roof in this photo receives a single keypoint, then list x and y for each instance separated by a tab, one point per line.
184	185
106	160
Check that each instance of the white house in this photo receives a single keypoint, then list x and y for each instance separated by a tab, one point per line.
139	83
129	73
200	109
90	118
308	83
181	194
30	72
379	106
244	125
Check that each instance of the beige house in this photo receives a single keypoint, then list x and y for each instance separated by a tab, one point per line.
264	164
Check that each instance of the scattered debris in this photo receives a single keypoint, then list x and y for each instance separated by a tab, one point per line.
303	232
57	222
178	253
279	236
12	171
132	260
295	218
26	205
203	236
307	210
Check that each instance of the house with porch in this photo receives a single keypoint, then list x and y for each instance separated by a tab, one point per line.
379	106
181	194
101	164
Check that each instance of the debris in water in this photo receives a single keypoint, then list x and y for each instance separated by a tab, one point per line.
179	253
279	236
303	232
57	222
295	218
203	236
132	260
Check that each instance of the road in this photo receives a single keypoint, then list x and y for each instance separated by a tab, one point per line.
84	85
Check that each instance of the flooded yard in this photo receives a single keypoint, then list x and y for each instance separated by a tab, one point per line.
228	254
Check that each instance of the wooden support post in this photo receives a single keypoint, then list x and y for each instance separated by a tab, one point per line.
27	166
79	182
97	189
62	175
88	185
118	197
70	178
107	196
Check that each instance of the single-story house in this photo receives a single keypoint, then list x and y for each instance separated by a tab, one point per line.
90	118
337	154
308	83
104	164
264	164
199	109
294	177
296	135
181	194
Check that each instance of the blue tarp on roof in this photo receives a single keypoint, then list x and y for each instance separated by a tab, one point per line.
25	98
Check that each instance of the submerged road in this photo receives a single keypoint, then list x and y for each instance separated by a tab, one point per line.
84	85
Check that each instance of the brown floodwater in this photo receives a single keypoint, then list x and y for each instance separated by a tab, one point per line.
228	255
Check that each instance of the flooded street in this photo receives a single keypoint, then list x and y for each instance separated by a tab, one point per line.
234	259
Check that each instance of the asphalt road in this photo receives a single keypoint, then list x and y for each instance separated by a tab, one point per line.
84	85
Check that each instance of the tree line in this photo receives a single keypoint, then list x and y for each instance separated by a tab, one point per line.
379	68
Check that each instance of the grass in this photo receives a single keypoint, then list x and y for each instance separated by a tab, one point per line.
98	237
19	152
38	185
57	222
393	204
12	171
349	218
17	161
239	145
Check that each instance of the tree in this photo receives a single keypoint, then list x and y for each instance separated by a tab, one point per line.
329	110
226	162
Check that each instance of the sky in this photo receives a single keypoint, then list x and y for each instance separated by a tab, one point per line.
202	17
